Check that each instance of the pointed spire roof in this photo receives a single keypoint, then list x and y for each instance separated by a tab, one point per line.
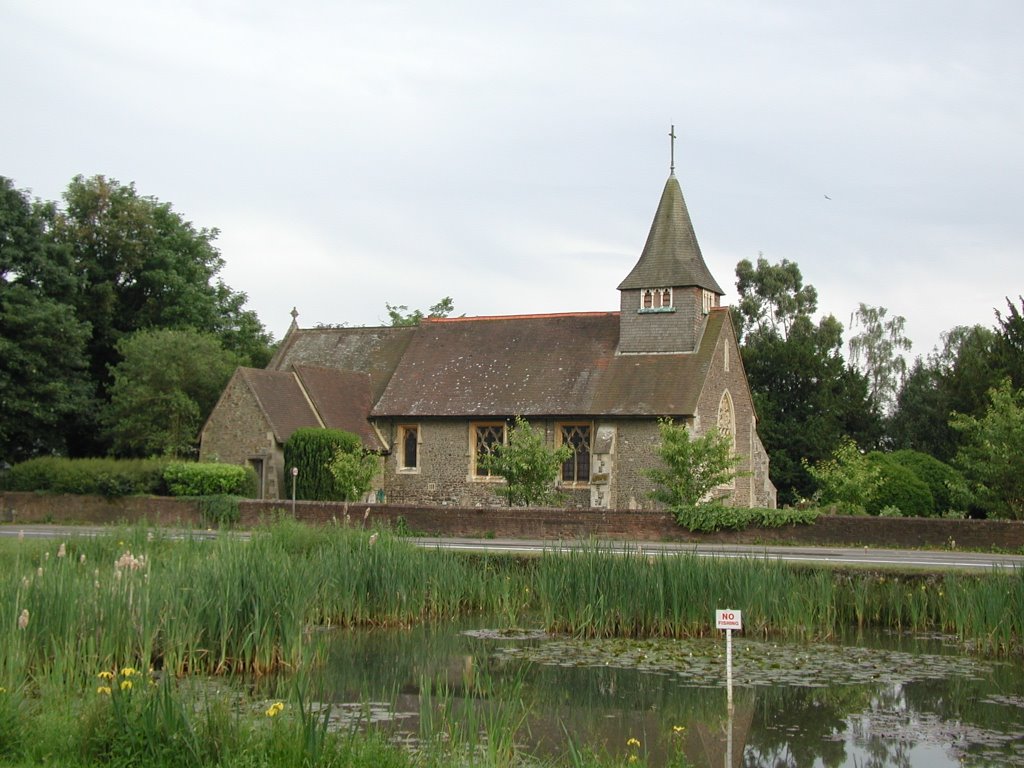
671	258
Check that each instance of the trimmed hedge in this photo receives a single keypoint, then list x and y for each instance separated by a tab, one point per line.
93	477
210	479
310	450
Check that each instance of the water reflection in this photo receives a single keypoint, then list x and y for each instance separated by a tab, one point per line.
966	713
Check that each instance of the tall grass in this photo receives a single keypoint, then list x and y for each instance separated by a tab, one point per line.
172	611
593	592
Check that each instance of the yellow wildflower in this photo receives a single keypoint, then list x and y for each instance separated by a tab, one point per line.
633	742
105	675
275	709
678	728
103	690
632	758
126	685
129	671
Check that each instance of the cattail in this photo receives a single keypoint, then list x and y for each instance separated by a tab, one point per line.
23	619
62	550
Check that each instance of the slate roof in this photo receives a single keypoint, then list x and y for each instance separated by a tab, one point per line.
342	399
671	257
282	401
373	351
541	365
313	397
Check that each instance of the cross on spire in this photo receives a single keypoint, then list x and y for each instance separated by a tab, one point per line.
672	150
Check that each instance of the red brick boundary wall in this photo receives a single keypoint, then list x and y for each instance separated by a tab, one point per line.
504	522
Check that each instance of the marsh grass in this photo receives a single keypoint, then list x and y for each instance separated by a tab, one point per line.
177	610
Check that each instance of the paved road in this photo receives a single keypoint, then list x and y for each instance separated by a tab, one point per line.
849	556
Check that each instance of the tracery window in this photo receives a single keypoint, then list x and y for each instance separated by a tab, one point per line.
486	436
576	469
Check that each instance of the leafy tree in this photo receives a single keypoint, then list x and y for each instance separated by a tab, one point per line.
847	479
529	466
353	472
1010	342
140	265
43	368
953	378
772	296
164	388
992	454
877	352
807	398
399	315
694	465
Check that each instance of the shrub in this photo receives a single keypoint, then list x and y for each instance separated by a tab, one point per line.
694	466
312	451
192	479
900	488
102	477
847	479
530	467
946	484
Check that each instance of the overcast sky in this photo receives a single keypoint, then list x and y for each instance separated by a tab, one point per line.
511	155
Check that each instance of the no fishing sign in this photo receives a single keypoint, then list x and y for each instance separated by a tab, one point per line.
728	619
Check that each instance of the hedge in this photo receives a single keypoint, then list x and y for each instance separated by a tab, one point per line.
210	479
95	477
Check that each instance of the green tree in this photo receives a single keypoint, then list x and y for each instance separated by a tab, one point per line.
43	367
846	479
399	314
772	296
353	472
140	265
992	454
164	388
529	466
953	378
877	352
694	465
1010	341
806	397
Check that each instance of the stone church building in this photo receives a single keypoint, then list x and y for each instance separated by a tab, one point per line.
433	398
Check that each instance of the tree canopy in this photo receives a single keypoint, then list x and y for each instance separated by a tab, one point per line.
806	396
79	278
399	314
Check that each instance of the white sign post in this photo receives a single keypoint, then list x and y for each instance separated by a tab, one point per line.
728	620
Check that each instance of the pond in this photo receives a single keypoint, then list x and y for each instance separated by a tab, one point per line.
884	700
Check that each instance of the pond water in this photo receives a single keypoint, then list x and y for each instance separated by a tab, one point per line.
875	701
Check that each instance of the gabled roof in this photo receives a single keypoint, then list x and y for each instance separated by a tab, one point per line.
313	397
373	351
540	365
671	257
282	401
342	399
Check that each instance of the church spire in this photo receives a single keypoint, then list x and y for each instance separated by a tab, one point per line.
671	256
